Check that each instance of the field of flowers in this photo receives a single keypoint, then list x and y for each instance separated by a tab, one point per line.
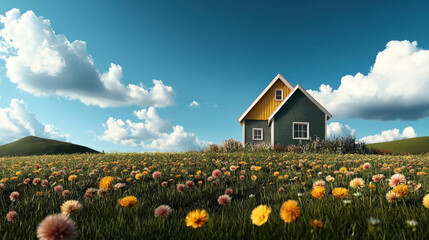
212	195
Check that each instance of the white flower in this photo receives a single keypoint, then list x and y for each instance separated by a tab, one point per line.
251	196
300	194
358	194
347	202
373	221
412	223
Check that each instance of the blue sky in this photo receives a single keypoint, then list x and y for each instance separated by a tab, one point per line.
221	54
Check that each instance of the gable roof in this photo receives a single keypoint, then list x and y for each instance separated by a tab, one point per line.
307	95
279	76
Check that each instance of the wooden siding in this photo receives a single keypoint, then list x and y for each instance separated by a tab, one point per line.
266	105
249	124
298	109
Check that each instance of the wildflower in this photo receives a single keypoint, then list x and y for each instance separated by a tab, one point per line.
366	166
106	182
373	221
281	189
371	186
340	193
347	202
56	226
357	194
343	170
72	177
401	190
289	211
329	178
156	175
396	180
26	181
102	192
197	218
14	196
44	183
319	183
190	184
318	192
181	187
11	216
164	184
216	173
224	199
316	224
251	195
129	201
58	188
138	176
119	186
299	194
426	201
260	215
71	207
36	181
2	187
253	177
357	183
228	191
392	196
163	211
65	193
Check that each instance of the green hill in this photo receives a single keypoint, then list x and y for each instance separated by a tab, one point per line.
31	145
411	145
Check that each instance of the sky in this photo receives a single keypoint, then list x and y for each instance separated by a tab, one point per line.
176	75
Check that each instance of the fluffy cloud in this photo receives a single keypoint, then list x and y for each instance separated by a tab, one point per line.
17	122
152	133
336	129
395	88
390	135
44	63
194	104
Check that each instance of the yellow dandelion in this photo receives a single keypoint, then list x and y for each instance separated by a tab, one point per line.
276	174
260	215
426	201
318	192
401	190
343	170
290	211
139	176
197	218
129	201
72	177
106	183
316	224
340	193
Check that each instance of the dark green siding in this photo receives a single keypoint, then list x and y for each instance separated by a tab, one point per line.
298	109
249	124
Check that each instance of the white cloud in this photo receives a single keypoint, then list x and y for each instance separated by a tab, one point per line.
17	122
194	104
336	129
152	133
390	135
44	63
395	88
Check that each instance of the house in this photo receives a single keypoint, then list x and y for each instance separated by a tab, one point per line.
283	114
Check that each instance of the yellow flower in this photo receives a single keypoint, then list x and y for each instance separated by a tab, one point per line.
18	173
276	174
318	192
396	170
316	224
54	173
257	168
253	177
139	176
340	193
13	178
129	201
343	170
401	190
260	215
106	183
289	211
72	177
426	201
197	218
39	193
129	179
371	186
357	183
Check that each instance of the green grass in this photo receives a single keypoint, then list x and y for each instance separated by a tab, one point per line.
103	218
31	145
416	145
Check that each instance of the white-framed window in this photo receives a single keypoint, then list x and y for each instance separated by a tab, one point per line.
257	134
301	130
278	94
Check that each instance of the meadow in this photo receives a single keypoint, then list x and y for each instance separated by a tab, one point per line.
306	196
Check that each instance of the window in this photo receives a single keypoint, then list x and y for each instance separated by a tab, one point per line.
301	130
258	133
278	95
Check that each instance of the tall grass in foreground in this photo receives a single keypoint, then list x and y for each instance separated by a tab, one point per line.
254	178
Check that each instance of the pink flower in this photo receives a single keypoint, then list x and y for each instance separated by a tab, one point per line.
216	173
377	178
214	183
190	184
36	181
281	189
164	184
58	188
2	187
224	199
156	175
163	211
228	191
27	180
397	179
243	172
56	226
181	187
366	166
14	196
66	193
11	216
241	177
319	183
44	183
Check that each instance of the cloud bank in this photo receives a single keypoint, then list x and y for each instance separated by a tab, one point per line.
395	88
390	135
152	133
17	122
336	129
44	63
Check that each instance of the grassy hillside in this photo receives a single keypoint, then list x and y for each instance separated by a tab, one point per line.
412	145
31	145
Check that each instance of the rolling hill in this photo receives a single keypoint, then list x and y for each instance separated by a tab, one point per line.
411	145
31	145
